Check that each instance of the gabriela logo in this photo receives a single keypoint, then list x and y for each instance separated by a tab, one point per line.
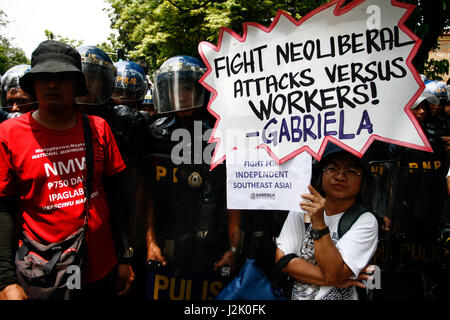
266	195
332	75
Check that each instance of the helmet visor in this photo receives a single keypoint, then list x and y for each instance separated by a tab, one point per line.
13	97
129	89
178	90
16	99
99	82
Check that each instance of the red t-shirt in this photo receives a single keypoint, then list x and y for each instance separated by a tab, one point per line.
45	168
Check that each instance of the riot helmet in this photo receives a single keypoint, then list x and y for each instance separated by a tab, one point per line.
425	96
99	72
13	98
421	107
176	85
423	77
438	89
130	84
446	108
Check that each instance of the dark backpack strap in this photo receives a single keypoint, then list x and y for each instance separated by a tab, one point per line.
349	218
89	157
49	266
23	250
345	223
281	264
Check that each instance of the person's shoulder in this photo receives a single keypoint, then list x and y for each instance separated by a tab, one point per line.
99	125
95	118
368	218
97	121
162	127
13	122
126	112
298	215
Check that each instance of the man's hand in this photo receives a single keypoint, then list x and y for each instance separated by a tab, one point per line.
228	258
387	223
365	274
125	276
13	292
154	253
448	185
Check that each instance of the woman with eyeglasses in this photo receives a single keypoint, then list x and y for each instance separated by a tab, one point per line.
328	267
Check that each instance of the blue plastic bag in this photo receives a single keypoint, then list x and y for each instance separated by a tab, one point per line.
250	284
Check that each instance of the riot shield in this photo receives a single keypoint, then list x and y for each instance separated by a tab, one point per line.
409	255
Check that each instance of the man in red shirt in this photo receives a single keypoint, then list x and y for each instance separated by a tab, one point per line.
42	163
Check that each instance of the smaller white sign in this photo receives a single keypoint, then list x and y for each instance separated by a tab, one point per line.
256	181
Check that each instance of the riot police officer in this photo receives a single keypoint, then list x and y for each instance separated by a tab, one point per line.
129	127
436	119
422	179
130	85
131	132
190	230
15	101
131	88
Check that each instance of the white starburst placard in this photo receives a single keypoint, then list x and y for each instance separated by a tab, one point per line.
340	73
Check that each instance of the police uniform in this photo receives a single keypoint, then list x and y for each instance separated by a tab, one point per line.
190	201
260	229
422	185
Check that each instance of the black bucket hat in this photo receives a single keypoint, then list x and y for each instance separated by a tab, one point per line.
54	57
331	149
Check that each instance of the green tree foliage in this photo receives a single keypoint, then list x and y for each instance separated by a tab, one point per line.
428	21
51	36
10	55
110	47
158	30
436	69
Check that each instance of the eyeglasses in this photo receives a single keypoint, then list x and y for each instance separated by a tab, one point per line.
349	173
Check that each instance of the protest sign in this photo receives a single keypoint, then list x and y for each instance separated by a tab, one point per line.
256	181
340	73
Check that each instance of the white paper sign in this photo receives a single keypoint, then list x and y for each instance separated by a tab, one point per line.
340	74
256	181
